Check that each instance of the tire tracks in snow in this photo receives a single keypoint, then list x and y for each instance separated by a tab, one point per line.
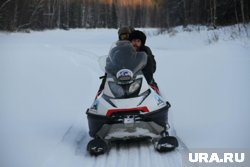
79	58
71	151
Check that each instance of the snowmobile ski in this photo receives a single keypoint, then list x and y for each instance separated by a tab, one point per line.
97	146
166	144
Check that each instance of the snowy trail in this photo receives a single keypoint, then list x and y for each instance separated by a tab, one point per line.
71	151
49	79
121	154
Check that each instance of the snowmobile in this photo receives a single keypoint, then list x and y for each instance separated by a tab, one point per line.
128	108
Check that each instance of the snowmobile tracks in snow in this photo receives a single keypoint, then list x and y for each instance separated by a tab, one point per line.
72	151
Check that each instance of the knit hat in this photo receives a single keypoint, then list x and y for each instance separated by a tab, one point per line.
124	30
123	33
138	35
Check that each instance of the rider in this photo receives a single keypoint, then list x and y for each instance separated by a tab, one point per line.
123	34
138	40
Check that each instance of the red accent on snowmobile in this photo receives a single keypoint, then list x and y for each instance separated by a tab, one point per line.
155	87
111	111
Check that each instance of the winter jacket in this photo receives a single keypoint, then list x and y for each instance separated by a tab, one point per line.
150	67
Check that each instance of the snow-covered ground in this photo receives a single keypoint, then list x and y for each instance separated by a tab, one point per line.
48	80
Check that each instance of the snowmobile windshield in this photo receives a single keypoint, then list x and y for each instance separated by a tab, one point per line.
123	59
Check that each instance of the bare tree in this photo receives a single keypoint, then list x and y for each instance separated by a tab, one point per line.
215	13
242	11
235	11
4	3
42	14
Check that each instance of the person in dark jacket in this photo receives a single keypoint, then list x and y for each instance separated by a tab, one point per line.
138	40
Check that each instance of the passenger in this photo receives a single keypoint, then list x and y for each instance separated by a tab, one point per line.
138	40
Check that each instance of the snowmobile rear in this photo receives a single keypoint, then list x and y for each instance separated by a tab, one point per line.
128	108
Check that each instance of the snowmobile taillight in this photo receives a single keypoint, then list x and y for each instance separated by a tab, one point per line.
129	121
126	110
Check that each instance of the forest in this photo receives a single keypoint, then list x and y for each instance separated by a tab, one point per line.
17	15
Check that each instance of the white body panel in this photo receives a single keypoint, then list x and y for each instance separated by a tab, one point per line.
153	101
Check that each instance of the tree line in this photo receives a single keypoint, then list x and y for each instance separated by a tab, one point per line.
17	15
